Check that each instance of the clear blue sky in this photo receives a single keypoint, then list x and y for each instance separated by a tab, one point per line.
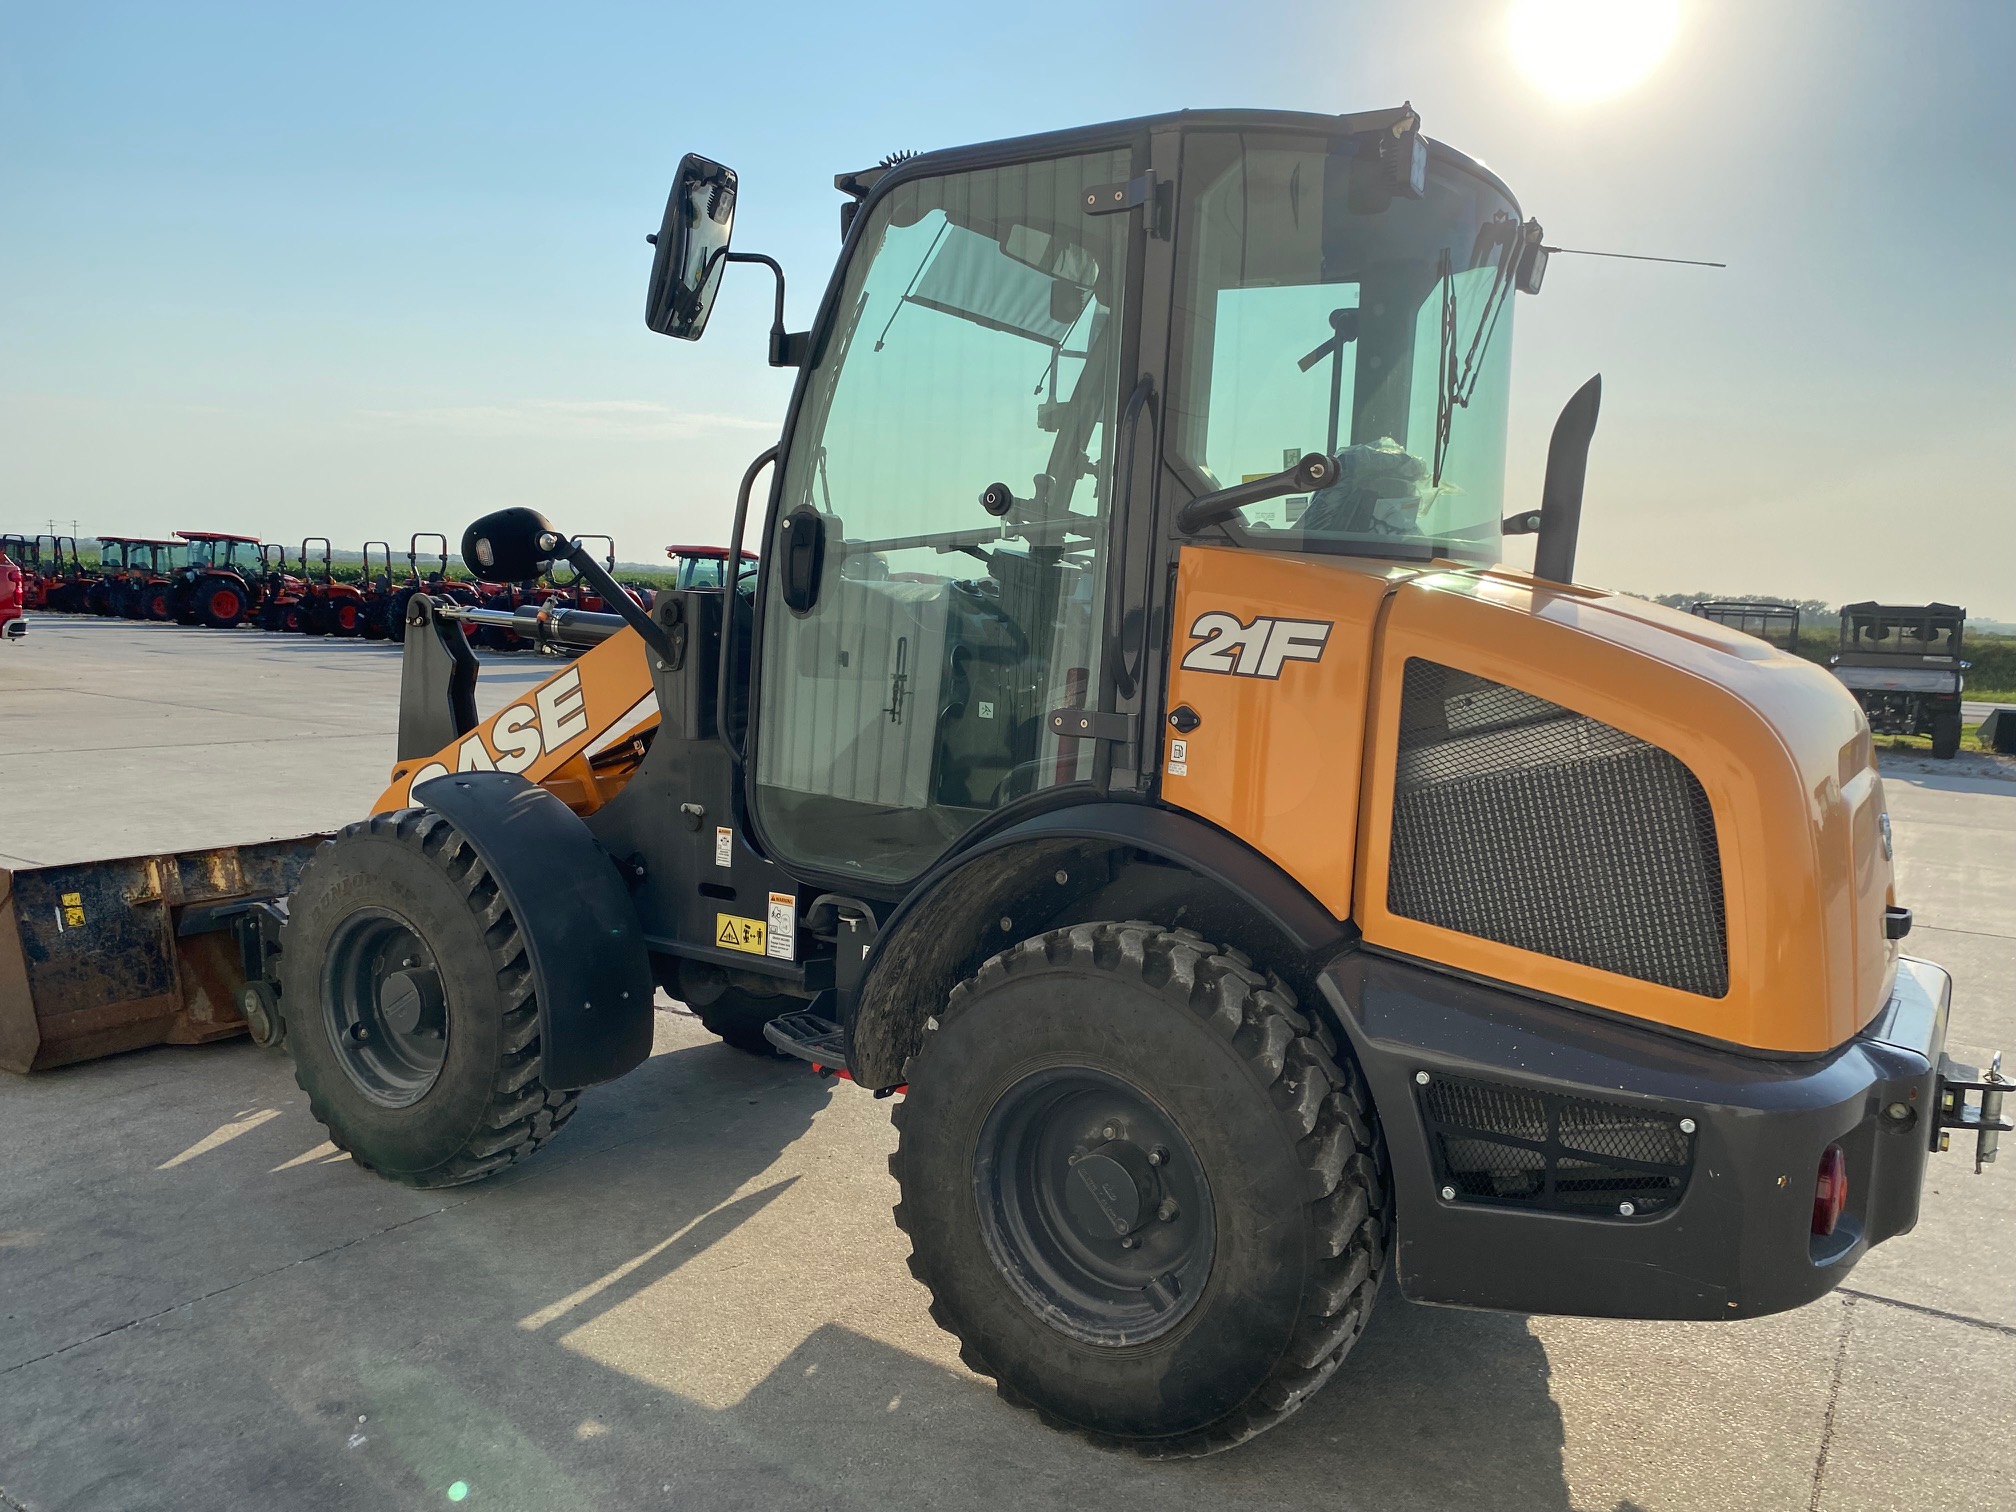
366	269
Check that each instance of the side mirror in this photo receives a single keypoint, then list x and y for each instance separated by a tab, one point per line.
510	545
692	245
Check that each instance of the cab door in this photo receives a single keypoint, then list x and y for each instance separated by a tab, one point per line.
936	569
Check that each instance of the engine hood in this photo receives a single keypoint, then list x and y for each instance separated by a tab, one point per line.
1779	748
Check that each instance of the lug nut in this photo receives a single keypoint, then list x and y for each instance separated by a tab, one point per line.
359	1033
1158	1156
1110	1131
1167	1210
1128	1241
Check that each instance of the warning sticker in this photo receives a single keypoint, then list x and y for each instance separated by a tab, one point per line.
732	932
724	846
783	929
1179	758
73	910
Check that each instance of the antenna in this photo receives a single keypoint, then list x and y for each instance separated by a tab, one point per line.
1691	262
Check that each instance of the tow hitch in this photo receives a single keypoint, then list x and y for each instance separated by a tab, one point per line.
1984	1118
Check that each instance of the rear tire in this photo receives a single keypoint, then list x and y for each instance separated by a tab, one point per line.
223	606
737	1018
1213	1116
408	1003
1946	734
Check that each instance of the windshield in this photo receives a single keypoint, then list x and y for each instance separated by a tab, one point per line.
1322	312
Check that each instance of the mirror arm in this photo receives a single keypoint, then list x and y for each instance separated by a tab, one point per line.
1306	476
577	556
787	348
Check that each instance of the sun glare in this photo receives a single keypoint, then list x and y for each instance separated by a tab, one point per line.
1584	50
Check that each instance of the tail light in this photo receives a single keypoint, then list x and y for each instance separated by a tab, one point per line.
1830	1191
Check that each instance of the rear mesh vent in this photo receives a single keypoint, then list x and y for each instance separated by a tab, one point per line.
1500	1144
1519	821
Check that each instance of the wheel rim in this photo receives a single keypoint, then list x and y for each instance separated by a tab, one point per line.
1094	1206
224	604
384	1007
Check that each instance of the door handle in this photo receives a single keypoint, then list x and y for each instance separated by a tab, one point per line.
802	542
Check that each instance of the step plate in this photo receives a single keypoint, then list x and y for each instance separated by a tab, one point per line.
810	1038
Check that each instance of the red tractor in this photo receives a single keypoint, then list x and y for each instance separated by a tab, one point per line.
125	570
704	566
65	579
376	588
221	584
149	584
327	606
281	591
437	582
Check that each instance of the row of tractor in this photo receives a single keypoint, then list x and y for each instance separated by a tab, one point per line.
222	581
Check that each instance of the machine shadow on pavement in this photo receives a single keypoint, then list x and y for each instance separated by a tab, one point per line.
468	1335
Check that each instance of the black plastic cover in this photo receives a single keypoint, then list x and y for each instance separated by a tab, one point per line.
591	972
1734	1238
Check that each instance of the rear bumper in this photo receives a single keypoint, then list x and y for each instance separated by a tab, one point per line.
1713	1216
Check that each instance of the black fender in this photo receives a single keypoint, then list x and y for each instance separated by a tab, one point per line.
920	950
583	940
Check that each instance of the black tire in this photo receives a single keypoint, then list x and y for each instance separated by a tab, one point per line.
1264	1130
1946	734
221	604
737	1017
482	1105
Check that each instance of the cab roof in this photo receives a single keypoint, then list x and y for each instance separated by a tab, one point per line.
1113	133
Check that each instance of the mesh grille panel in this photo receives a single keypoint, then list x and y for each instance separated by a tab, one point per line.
1520	821
1505	1145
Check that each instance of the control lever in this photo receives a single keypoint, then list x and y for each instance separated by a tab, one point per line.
1306	476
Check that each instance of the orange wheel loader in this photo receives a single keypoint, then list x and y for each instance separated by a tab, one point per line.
1241	883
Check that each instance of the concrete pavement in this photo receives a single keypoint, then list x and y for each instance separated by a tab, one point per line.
696	1298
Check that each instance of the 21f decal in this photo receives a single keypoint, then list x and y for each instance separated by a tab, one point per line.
1229	646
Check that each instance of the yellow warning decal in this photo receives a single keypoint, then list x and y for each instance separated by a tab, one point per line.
73	910
733	932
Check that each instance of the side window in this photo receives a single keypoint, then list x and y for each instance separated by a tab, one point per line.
976	350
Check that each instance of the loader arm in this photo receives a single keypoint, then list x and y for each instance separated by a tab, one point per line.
578	734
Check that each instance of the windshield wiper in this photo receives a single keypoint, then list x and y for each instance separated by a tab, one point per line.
1453	388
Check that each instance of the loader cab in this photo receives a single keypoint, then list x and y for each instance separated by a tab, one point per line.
1031	356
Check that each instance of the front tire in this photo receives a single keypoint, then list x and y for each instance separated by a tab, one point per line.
1147	1195
408	1002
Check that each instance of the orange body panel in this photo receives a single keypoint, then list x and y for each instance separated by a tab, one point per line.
1295	753
574	734
1771	739
1276	758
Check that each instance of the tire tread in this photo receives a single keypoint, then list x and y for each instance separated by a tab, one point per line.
523	1112
1325	1107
